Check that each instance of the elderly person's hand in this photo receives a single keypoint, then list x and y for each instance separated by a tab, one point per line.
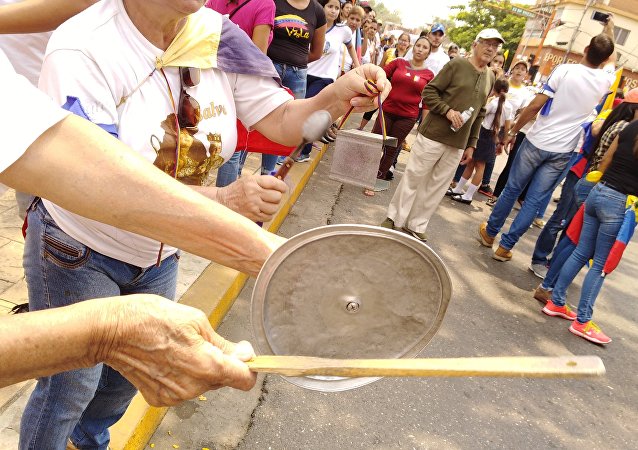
351	90
455	118
167	350
256	197
355	89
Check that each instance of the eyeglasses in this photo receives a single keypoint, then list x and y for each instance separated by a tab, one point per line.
188	112
494	45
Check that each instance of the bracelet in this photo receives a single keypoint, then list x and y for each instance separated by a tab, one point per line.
511	134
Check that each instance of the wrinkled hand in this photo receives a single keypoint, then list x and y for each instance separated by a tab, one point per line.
455	118
467	155
256	197
167	350
350	89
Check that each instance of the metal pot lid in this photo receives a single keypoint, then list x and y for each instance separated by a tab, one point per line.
349	291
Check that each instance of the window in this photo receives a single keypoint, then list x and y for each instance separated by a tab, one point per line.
620	35
533	28
534	33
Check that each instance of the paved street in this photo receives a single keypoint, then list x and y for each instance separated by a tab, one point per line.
492	313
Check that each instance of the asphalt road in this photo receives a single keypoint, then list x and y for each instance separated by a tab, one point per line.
492	313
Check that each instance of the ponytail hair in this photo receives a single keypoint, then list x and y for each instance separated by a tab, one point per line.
501	86
625	111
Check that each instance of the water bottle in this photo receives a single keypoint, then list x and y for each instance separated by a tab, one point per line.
465	115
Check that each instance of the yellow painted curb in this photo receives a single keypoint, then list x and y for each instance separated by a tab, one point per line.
136	427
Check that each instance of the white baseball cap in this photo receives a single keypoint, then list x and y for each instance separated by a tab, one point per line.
490	33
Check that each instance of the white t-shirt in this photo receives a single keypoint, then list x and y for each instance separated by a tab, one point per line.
25	51
519	97
435	61
574	90
345	56
20	100
490	112
100	57
329	65
367	56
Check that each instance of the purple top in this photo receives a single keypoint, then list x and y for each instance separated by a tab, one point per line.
255	12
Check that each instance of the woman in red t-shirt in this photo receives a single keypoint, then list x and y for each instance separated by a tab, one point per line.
401	108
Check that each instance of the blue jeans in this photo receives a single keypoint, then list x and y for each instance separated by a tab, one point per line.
563	214
314	86
294	78
542	171
229	171
545	203
80	404
565	246
268	163
604	214
489	168
459	173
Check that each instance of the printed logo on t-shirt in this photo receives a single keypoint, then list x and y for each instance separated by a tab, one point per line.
195	162
326	47
294	25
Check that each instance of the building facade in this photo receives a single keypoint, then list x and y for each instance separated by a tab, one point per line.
568	27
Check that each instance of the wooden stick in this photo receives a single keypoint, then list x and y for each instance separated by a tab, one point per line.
518	366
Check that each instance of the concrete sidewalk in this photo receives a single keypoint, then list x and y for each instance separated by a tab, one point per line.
201	284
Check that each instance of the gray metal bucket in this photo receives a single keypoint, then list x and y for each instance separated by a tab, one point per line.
356	157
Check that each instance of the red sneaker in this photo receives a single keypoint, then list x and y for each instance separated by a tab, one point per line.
559	311
590	331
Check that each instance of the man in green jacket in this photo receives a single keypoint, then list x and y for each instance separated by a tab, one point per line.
456	100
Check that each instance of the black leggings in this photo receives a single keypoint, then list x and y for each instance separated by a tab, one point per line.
398	127
502	179
368	115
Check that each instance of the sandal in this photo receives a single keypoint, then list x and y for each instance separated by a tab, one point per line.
459	198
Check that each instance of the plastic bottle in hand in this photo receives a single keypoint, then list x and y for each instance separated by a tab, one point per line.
465	115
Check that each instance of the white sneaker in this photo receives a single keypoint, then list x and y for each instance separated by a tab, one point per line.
540	270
